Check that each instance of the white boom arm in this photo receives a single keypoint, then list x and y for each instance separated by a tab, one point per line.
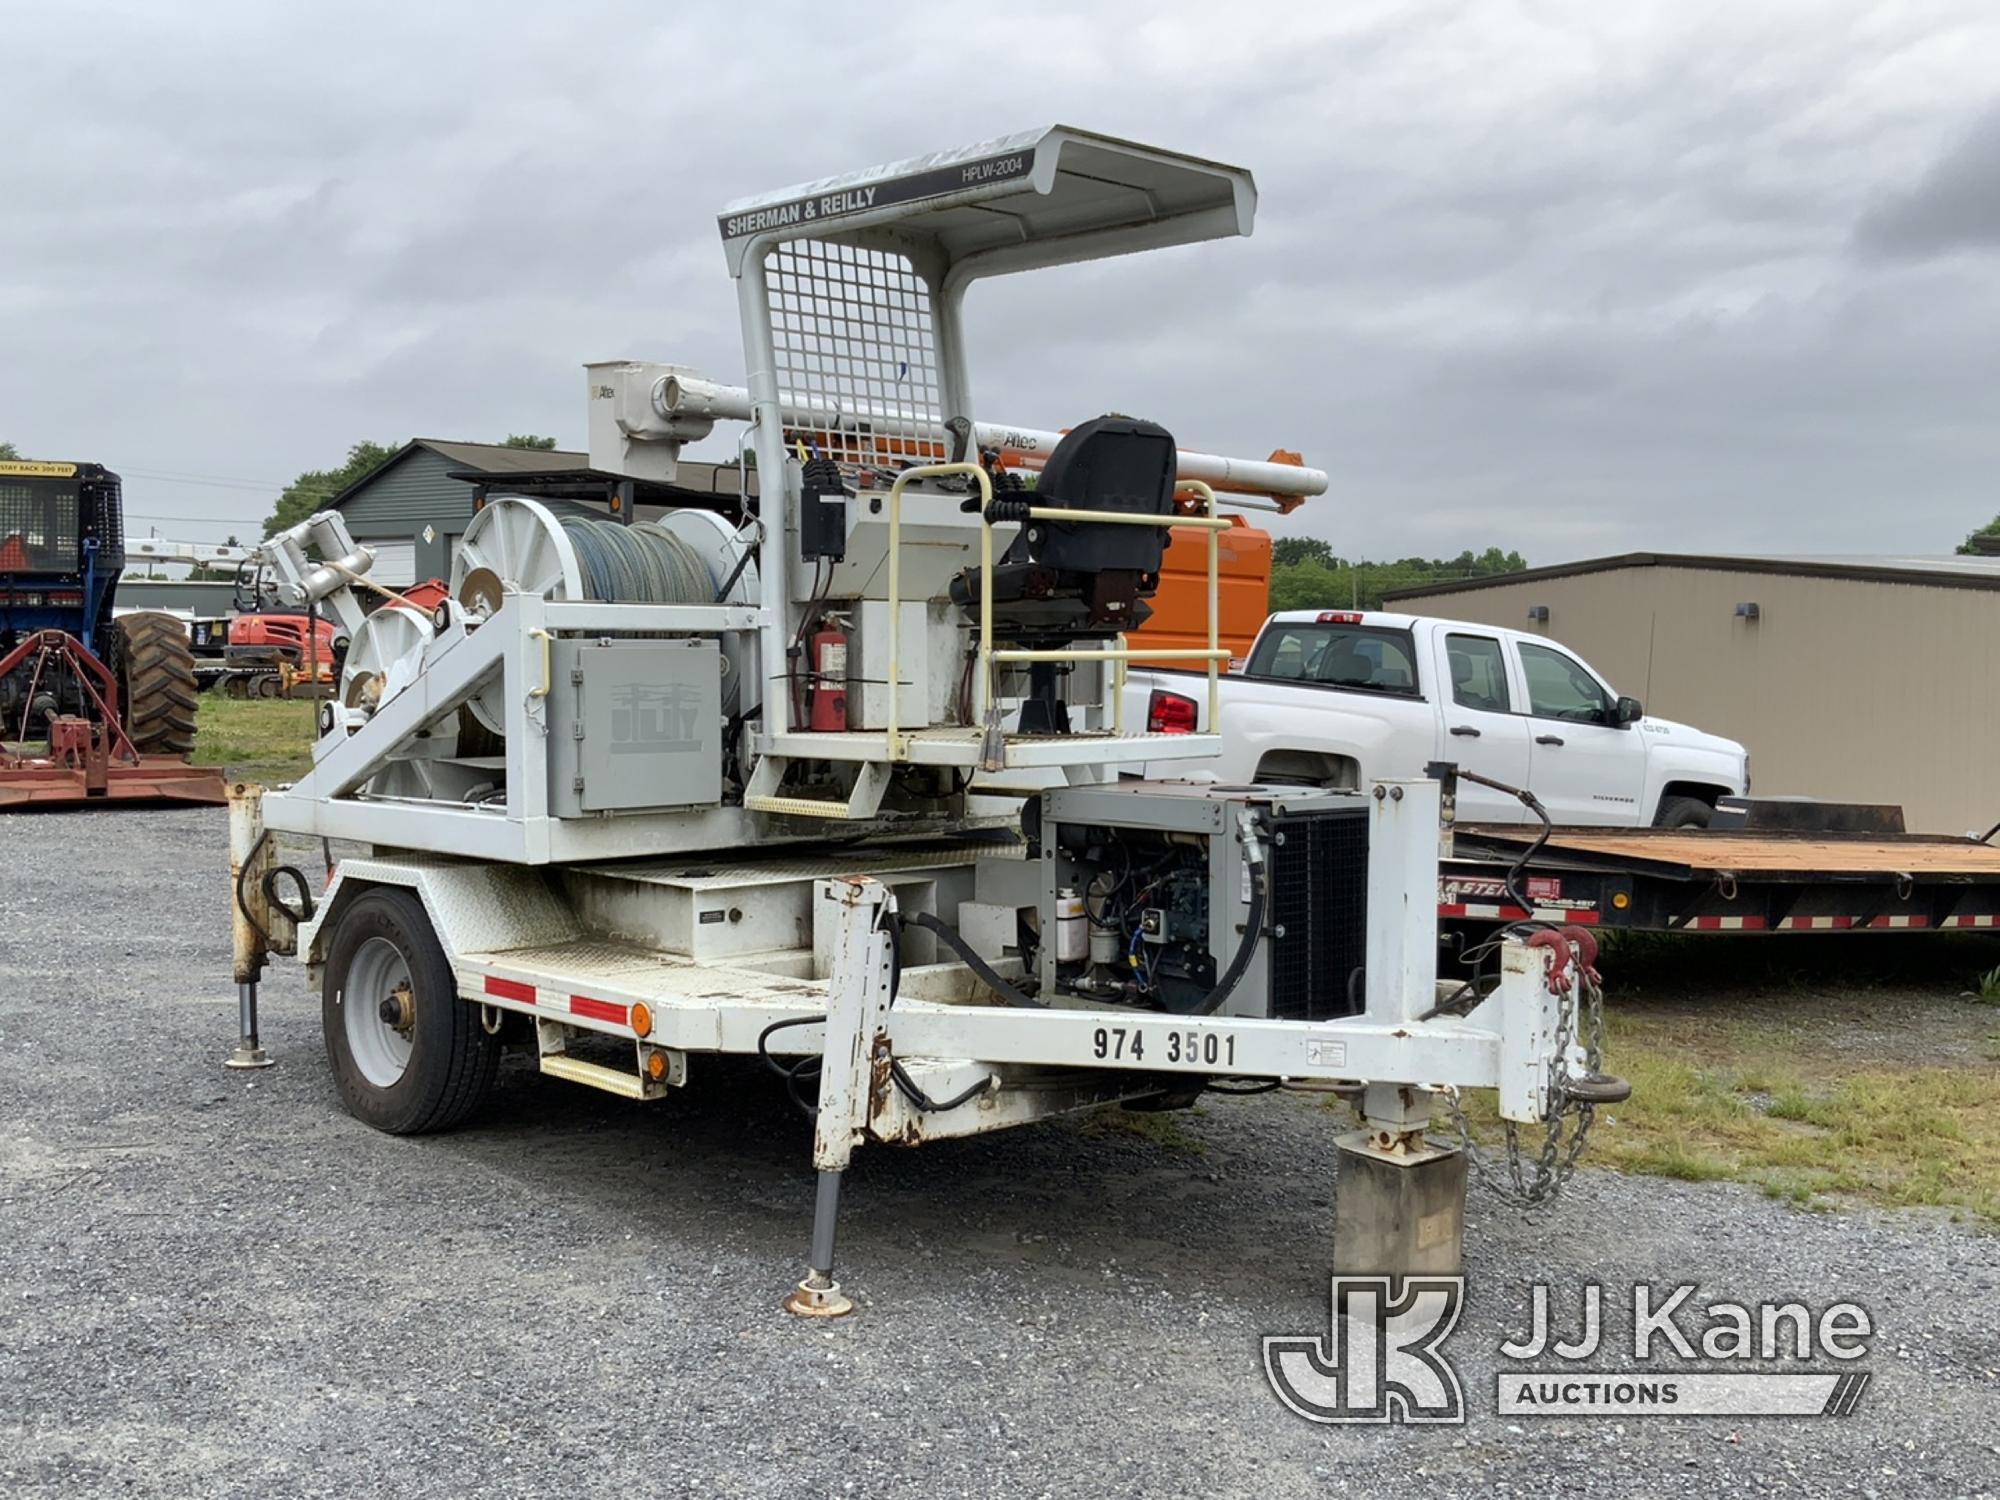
303	581
686	396
155	549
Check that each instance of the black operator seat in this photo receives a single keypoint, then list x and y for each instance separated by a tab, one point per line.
1070	580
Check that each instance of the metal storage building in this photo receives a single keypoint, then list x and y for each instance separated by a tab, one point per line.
414	508
1866	679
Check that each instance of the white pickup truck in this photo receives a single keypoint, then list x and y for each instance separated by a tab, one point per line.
1334	697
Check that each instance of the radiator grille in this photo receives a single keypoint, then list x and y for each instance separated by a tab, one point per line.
1319	897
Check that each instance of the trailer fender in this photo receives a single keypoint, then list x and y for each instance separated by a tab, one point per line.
473	908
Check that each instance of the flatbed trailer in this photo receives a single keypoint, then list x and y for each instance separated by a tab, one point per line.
1713	880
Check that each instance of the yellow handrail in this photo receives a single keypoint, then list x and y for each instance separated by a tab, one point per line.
1214	524
1213	654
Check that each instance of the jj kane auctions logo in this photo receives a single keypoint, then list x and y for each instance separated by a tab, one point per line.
1382	1357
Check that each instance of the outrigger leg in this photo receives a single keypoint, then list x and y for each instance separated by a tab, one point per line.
249	858
859	992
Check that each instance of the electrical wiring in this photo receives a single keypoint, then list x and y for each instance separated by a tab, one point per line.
1469	994
808	1067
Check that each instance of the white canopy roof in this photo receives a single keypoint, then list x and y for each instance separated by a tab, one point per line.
1039	198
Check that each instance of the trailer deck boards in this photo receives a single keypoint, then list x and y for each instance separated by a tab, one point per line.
1767	853
1690	880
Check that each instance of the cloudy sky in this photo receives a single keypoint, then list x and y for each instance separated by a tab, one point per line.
1560	275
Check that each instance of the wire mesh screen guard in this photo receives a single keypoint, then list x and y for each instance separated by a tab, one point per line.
855	353
38	528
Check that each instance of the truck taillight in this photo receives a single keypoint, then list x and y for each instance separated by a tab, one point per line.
1170	713
1340	617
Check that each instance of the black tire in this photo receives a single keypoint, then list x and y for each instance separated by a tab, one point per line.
1683	812
451	1059
156	683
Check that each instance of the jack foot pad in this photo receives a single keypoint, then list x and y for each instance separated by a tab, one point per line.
249	1057
818	1297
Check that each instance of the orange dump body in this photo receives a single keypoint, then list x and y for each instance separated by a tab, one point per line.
1180	608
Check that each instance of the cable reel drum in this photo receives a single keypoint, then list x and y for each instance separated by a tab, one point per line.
518	545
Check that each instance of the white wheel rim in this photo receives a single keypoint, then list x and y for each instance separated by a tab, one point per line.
390	637
389	647
521	543
381	1053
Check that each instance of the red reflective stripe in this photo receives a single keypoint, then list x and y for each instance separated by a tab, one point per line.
597	1010
1514	914
509	989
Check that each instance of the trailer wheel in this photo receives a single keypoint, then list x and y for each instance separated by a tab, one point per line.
1683	812
409	1056
156	683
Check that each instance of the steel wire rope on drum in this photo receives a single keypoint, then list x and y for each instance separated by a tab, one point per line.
642	564
637	564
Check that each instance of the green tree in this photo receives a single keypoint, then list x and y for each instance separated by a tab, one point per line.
1985	542
8	450
528	440
1320	580
312	489
1290	550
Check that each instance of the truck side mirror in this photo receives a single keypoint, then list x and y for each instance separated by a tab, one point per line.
1627	711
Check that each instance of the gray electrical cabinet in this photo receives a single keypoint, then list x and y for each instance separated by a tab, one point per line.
634	724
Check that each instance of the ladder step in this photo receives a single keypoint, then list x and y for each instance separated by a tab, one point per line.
596	1075
799	807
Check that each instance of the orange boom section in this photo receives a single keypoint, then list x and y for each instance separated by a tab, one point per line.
1243	588
1243	580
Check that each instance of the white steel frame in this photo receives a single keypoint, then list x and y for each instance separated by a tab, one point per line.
494	928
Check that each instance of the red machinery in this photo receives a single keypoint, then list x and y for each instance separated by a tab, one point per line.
112	697
90	756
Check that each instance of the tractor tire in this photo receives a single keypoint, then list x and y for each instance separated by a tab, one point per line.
156	683
434	1063
1683	812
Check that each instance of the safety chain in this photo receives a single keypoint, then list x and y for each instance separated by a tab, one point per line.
1558	1157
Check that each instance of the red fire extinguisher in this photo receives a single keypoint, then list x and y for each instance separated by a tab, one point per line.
826	649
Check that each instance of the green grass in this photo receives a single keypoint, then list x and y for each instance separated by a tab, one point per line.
1162	1127
255	739
1792	1094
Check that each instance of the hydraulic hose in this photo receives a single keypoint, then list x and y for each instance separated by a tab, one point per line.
1253	932
984	971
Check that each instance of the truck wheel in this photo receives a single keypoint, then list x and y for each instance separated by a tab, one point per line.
156	683
409	1056
1683	812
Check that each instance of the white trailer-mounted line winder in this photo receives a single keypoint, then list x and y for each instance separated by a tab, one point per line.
728	782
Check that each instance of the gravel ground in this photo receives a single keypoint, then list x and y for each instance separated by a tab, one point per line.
213	1283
